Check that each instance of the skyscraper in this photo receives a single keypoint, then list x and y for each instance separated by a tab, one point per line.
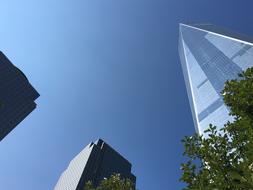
17	96
94	163
210	56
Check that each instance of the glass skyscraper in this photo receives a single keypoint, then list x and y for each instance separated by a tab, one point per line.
210	56
94	163
17	96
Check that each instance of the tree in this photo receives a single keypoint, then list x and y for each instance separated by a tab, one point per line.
224	160
115	182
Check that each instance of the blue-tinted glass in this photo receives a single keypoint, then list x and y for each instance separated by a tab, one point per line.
94	163
209	58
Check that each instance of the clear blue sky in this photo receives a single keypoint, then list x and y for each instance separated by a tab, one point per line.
108	69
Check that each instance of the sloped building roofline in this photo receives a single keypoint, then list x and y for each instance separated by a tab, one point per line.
220	31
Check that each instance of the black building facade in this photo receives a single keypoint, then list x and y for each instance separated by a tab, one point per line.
17	96
94	163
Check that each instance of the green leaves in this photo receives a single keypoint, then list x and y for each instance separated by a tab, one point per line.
113	183
224	160
239	93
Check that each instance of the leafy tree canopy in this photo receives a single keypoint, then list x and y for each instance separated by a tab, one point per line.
115	182
224	160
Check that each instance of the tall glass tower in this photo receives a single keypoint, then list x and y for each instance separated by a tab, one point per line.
210	56
17	96
94	163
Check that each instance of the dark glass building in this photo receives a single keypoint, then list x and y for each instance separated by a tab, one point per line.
94	163
17	96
